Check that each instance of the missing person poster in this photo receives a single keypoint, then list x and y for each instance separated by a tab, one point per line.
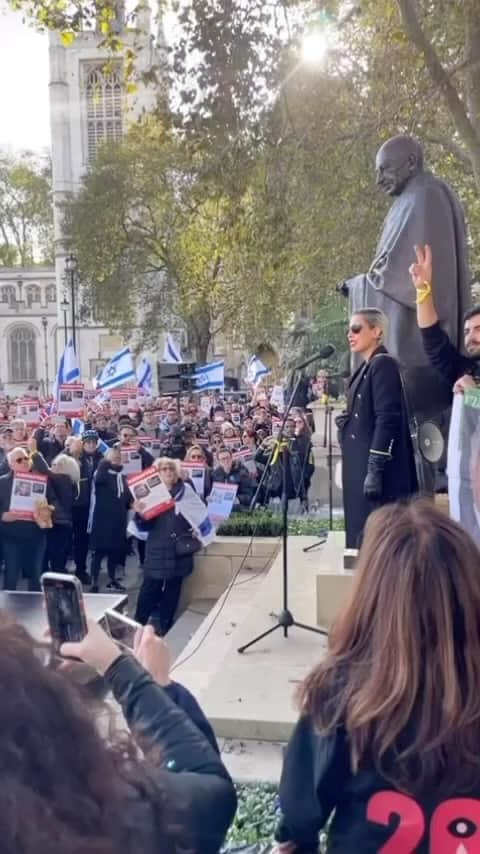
247	459
153	445
221	501
150	493
463	465
119	398
27	491
71	400
196	473
28	409
131	460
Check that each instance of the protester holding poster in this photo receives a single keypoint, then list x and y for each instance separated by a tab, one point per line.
108	535
168	554
71	400
231	472
23	538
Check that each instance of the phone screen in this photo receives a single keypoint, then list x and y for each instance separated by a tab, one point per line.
121	629
65	611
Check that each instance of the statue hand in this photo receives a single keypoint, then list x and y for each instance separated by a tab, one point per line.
421	271
342	288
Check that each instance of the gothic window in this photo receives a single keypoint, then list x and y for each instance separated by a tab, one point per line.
104	106
34	294
8	294
51	293
21	354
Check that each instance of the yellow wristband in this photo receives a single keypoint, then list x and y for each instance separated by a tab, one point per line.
423	293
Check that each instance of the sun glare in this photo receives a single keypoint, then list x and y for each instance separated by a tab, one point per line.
315	46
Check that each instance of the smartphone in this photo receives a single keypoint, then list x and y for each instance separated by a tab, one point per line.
65	607
121	629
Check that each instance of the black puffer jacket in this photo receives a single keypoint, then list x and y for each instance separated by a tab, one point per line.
112	500
241	477
200	793
160	558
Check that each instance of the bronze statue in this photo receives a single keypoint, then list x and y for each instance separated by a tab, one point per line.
425	210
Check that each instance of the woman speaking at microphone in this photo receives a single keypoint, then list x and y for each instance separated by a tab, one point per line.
377	457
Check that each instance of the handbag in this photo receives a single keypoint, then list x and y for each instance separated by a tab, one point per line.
186	544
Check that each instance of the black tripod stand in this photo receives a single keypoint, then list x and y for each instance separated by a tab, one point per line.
328	444
285	620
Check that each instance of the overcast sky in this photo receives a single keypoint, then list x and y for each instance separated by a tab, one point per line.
24	119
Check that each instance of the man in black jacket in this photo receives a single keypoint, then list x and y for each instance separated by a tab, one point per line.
229	471
88	462
50	446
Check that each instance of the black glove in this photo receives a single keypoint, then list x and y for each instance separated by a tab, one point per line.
373	483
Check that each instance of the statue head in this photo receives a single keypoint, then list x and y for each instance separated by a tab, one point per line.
398	160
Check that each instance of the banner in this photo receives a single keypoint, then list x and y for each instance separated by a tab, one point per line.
27	491
150	493
71	400
463	464
131	460
28	409
196	472
220	501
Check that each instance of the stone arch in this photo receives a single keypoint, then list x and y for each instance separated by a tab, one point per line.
22	352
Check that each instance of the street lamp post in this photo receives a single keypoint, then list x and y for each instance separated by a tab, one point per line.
71	267
45	350
64	307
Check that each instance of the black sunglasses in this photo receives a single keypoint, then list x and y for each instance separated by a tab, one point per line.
355	328
21	460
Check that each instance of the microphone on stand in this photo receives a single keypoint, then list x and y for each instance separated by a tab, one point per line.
324	353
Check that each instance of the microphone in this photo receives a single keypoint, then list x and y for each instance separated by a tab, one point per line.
324	353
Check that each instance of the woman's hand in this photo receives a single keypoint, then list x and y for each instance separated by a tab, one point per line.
464	383
153	654
96	649
139	507
9	516
32	445
421	271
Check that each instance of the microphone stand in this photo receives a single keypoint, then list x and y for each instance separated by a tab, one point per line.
285	620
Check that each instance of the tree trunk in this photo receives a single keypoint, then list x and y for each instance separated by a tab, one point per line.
199	333
463	123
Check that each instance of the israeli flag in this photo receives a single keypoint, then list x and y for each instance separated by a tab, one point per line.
68	370
118	371
78	426
256	370
171	353
210	376
145	376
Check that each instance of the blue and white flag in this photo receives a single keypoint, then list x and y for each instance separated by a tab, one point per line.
68	370
118	371
210	376
145	376
171	353
78	427
256	370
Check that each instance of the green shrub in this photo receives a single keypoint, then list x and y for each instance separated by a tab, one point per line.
264	523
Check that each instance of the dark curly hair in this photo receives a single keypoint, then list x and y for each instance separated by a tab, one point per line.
65	789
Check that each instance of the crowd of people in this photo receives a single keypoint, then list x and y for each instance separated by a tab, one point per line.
90	500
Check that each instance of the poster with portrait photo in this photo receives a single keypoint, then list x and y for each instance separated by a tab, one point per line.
196	473
71	400
27	491
150	493
28	409
131	460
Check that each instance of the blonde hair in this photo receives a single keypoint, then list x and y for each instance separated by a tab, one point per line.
169	461
375	318
195	449
67	465
13	453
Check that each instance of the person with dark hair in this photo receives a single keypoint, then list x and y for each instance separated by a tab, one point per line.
69	790
88	460
377	455
108	535
445	357
229	470
389	734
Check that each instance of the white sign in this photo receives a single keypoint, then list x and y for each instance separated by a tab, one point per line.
221	501
150	493
246	458
277	397
131	460
71	399
205	404
28	490
153	445
196	472
28	410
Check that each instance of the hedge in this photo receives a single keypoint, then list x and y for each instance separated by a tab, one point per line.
264	523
